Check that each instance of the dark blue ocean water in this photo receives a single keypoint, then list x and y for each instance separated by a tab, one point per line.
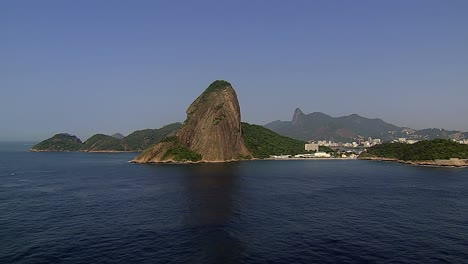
97	208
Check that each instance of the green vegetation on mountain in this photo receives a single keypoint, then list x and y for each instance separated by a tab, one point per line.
420	151
181	153
218	119
326	149
136	141
216	85
170	149
118	136
59	142
142	139
262	142
100	142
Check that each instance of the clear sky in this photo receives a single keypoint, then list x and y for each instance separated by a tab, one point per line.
86	67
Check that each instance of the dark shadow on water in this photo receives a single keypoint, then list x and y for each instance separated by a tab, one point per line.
211	191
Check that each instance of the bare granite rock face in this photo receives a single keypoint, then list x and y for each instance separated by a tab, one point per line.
212	131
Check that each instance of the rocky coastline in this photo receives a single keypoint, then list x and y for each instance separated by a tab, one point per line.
440	163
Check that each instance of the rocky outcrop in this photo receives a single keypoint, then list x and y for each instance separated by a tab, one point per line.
453	162
298	117
210	133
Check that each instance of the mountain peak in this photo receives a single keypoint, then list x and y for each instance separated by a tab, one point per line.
298	111
298	116
356	117
217	85
118	136
211	132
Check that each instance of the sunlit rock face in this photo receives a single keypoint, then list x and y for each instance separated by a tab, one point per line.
212	129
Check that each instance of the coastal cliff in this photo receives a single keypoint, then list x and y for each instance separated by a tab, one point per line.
211	132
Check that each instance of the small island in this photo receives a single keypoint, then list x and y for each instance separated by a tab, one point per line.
134	142
436	153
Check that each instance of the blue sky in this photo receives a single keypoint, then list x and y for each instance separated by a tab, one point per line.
88	67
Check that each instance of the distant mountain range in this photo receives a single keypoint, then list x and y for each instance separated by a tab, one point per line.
136	141
319	126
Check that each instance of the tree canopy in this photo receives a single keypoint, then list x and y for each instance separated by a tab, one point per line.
262	142
423	150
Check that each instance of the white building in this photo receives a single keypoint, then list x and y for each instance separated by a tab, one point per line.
312	147
280	156
327	143
322	155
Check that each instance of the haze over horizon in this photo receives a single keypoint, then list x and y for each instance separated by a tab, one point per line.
93	67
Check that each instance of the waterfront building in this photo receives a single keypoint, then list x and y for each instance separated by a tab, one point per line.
312	147
322	155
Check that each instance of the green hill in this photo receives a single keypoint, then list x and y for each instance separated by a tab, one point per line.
118	136
136	141
420	151
142	139
101	142
59	142
262	142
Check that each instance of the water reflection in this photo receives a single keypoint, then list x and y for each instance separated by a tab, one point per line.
211	193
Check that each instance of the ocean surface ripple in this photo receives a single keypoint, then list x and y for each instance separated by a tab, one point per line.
97	208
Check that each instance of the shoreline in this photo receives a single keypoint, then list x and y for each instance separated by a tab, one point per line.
445	163
187	162
228	161
82	151
311	159
448	163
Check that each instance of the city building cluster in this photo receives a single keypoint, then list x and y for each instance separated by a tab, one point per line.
342	150
461	141
359	143
405	140
412	141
